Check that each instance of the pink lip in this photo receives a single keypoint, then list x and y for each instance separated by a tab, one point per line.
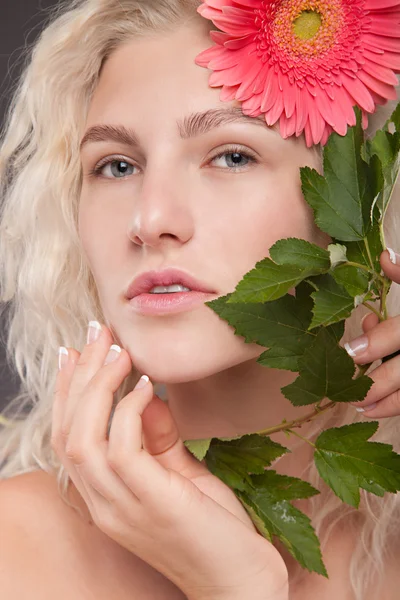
146	281
161	304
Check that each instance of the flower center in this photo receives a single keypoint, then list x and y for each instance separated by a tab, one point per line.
301	28
307	24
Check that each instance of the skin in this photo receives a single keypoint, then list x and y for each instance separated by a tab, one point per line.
180	206
194	212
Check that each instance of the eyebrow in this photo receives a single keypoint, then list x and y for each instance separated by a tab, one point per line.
193	125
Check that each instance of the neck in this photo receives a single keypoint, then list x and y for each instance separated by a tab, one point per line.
244	399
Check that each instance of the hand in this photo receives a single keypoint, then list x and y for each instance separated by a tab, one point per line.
383	398
147	492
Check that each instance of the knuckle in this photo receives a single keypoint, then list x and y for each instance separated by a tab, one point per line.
75	454
64	432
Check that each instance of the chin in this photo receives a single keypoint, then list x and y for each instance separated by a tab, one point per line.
170	366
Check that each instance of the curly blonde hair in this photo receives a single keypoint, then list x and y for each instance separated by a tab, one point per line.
47	291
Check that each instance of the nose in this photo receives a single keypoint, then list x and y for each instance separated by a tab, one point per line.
162	212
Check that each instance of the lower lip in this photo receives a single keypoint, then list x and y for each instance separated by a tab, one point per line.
161	304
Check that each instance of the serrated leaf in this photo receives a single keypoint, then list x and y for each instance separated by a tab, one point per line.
342	198
284	487
198	448
268	281
332	302
279	358
326	371
384	151
347	461
273	515
300	253
233	461
355	281
282	323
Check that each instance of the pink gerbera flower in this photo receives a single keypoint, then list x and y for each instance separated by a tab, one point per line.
306	63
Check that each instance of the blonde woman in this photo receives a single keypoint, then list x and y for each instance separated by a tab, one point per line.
122	170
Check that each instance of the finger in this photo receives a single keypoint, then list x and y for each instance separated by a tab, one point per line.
369	321
387	407
140	471
161	438
62	385
90	361
147	471
391	269
378	342
87	444
386	379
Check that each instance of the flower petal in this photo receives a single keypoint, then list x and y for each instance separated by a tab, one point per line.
379	87
359	92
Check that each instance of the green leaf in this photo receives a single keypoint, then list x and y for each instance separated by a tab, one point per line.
342	198
353	280
347	461
384	150
280	358
268	281
326	371
233	461
273	515
198	448
282	323
302	254
332	302
283	487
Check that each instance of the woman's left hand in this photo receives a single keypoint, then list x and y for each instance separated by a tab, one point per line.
380	339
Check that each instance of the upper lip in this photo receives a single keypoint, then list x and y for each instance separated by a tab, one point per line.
146	281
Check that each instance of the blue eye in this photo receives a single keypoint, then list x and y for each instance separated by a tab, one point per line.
121	170
234	158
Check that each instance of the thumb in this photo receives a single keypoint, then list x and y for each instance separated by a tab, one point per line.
161	439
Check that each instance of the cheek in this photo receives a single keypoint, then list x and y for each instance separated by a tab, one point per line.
280	212
95	236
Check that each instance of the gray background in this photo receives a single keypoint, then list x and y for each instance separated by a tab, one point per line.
20	24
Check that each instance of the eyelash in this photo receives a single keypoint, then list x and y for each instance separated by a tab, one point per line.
96	171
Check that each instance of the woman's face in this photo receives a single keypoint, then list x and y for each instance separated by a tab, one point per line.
178	198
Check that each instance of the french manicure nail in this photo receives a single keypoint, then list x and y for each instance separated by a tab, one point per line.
62	357
357	346
94	331
143	381
370	407
113	354
394	257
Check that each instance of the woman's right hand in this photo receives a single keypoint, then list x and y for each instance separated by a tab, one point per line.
147	492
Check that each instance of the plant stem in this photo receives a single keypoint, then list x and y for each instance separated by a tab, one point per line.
371	262
297	422
302	438
363	268
314	414
371	308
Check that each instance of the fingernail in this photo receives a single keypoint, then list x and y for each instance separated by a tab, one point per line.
113	354
94	331
370	407
357	346
143	381
62	357
394	257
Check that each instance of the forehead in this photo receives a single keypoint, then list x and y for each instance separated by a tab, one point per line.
156	73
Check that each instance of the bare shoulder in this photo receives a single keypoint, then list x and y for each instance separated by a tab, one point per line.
39	540
63	554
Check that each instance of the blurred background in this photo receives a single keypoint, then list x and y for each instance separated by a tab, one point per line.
20	24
